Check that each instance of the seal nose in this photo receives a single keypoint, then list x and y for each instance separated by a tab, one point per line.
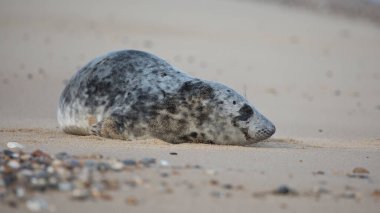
266	132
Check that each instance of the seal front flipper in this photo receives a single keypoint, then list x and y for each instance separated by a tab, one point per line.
110	127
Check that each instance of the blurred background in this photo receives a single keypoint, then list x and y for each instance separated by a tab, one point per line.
310	66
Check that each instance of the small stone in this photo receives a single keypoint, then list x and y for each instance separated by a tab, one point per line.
103	167
117	165
13	145
129	162
20	192
30	76
13	164
164	175
348	195
80	194
319	173
38	153
360	170
214	182
65	186
210	172
131	200
106	197
319	190
173	153
12	203
36	205
164	163
376	193
147	161
227	186
284	190
9	153
62	156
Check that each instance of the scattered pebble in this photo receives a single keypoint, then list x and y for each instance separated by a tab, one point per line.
147	161
284	190
376	193
13	145
117	165
227	186
164	163
129	162
173	153
360	170
36	204
211	172
30	76
319	173
131	200
214	182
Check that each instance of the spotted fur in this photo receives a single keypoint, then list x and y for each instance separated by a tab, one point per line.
132	94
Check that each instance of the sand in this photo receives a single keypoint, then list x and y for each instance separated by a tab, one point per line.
315	75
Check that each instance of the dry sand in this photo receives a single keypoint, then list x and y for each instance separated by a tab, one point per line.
316	76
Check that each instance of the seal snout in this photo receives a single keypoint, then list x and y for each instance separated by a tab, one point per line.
263	129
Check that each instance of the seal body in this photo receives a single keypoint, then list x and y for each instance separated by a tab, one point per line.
131	94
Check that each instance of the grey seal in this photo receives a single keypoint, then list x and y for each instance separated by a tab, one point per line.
131	94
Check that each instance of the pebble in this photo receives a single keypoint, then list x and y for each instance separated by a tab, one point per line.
173	153
284	190
80	194
103	167
349	195
14	164
319	173
13	145
360	170
117	165
214	182
20	192
65	186
131	200
164	175
164	163
147	161
227	186
376	193
36	204
320	190
9	153
129	162
210	172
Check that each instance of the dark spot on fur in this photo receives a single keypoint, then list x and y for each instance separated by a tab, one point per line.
233	102
193	134
197	89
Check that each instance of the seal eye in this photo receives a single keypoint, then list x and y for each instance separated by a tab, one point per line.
245	112
233	102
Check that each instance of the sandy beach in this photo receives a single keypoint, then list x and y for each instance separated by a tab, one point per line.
316	75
